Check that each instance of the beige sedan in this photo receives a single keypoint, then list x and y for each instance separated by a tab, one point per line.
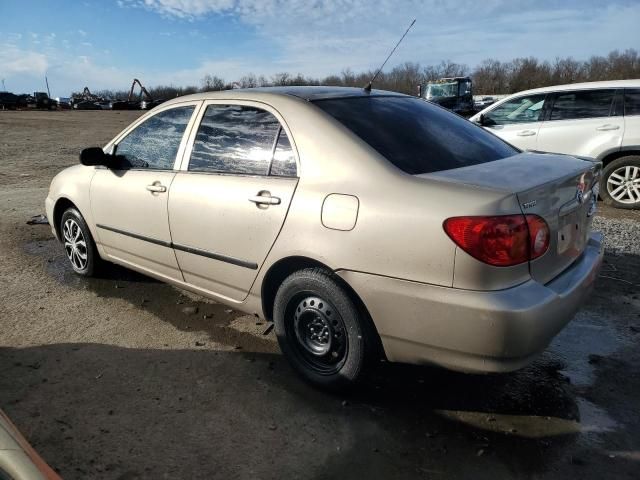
363	224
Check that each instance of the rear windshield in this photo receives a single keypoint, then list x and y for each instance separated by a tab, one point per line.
416	136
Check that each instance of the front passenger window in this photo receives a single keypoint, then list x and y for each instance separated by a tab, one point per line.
154	144
234	139
518	110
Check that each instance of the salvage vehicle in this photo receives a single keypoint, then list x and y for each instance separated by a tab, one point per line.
18	459
484	102
600	120
87	101
453	93
363	223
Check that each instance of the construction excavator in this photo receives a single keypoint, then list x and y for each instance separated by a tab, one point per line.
144	100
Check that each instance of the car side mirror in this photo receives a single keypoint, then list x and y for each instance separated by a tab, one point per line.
94	156
482	120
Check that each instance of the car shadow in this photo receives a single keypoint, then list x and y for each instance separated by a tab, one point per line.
98	410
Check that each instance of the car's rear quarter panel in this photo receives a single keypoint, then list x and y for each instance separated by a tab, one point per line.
398	232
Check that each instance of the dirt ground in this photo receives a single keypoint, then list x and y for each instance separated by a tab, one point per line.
116	378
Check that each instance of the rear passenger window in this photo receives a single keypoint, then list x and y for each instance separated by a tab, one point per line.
582	104
632	102
154	143
284	162
234	139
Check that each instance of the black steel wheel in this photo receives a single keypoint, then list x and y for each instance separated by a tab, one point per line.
321	331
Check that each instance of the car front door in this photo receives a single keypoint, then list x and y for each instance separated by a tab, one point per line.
517	121
582	122
129	200
229	201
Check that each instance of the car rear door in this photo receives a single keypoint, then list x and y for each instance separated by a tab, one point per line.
129	200
517	120
631	118
229	200
582	122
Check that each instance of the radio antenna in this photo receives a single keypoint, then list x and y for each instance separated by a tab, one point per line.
370	84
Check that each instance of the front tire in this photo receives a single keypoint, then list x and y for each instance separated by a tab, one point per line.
621	183
78	243
321	332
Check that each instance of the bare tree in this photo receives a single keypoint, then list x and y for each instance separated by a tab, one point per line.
212	82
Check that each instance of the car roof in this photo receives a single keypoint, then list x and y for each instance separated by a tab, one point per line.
308	93
584	86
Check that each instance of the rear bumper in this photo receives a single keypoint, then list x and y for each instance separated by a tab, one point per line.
475	331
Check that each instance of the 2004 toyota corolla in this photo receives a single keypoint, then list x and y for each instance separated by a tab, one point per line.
364	224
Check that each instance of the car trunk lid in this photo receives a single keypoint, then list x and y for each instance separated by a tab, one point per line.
560	189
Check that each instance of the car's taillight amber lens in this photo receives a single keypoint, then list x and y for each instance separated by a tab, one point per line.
502	241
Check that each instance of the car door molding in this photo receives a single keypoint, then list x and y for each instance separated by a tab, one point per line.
137	236
184	248
216	256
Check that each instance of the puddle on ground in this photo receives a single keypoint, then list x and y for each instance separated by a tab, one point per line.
588	339
184	310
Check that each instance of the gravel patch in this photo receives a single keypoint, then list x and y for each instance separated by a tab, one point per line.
622	235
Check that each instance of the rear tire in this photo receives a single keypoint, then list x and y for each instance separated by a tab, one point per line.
79	246
620	185
321	332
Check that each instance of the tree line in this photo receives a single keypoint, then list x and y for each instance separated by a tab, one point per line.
489	77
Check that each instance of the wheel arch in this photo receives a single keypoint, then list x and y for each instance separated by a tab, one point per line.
609	157
61	205
288	265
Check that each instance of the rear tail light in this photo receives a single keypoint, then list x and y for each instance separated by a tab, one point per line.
538	236
501	241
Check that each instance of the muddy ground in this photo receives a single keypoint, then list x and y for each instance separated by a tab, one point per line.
116	378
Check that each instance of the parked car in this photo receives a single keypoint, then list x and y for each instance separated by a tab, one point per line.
600	120
362	224
483	102
18	459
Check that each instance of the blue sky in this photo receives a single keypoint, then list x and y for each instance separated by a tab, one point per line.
105	43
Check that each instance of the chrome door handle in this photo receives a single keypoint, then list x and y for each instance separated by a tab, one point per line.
526	133
265	199
608	126
156	188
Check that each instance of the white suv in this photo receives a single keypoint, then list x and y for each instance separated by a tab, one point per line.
600	120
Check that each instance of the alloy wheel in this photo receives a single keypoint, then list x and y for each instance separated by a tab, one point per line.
623	185
75	244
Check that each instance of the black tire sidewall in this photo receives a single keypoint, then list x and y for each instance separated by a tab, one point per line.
320	283
73	213
632	160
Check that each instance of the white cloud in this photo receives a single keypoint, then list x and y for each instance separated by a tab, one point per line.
16	61
24	68
324	36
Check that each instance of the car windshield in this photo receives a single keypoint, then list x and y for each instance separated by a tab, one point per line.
415	135
440	90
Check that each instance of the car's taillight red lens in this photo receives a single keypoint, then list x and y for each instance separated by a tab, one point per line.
502	241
